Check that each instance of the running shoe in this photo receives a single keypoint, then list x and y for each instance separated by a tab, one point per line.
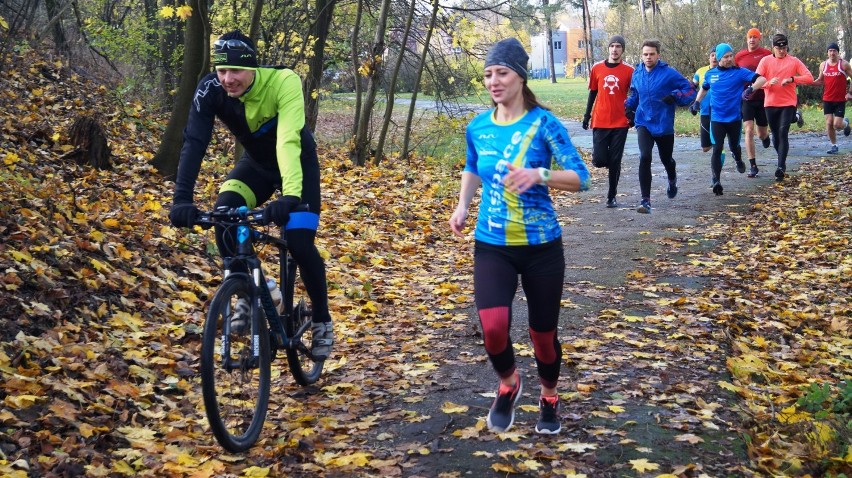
644	207
846	129
740	166
548	419
779	174
717	187
322	338
502	413
611	202
766	142
833	149
241	316
800	120
753	172
672	189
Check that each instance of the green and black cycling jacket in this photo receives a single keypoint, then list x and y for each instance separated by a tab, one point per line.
266	120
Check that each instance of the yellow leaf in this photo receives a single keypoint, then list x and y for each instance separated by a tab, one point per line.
450	407
503	468
167	12
55	137
11	158
256	472
642	465
183	12
689	437
111	222
21	401
615	409
666	475
577	447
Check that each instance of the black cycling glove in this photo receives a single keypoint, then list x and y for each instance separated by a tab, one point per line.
183	214
278	211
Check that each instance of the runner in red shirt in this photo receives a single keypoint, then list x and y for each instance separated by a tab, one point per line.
753	110
609	83
833	73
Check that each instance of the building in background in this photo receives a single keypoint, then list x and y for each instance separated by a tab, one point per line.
569	51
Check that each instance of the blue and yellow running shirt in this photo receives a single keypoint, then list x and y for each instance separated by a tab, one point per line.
532	141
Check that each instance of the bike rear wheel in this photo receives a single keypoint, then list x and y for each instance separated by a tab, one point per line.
234	381
298	326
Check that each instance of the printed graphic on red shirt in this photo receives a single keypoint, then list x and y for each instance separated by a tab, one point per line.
612	84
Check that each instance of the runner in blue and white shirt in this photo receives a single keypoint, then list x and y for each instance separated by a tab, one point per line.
510	151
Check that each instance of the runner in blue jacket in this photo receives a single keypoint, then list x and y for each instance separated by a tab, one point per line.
655	90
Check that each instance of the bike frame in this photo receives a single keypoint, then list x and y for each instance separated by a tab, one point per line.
246	238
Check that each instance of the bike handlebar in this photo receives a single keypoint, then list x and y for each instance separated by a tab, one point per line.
236	215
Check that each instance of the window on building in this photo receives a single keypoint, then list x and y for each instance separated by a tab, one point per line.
557	45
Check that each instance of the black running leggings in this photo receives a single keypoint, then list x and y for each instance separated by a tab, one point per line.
720	130
665	148
779	118
495	281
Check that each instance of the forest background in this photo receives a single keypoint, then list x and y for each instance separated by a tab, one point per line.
109	390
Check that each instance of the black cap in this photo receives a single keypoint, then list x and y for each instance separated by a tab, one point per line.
833	46
779	39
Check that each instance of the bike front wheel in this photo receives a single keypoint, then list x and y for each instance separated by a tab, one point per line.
235	367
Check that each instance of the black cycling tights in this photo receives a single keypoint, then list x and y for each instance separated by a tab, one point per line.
302	248
779	118
495	281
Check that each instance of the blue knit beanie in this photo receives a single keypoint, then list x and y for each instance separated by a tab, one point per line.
509	53
721	50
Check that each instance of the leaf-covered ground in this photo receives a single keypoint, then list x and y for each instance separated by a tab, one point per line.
102	303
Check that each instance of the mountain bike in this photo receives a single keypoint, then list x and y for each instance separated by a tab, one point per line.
235	360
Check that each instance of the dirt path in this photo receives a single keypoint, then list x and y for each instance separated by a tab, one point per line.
639	384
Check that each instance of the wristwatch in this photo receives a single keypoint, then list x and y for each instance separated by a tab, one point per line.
544	174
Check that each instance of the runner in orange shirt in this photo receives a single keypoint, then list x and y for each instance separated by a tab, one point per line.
783	72
609	83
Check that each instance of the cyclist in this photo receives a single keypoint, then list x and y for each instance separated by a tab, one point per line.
509	151
264	109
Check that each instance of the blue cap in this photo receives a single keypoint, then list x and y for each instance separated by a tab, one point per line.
722	49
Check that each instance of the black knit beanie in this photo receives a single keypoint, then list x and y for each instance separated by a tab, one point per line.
234	50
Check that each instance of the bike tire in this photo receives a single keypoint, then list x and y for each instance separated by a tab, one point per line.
304	370
236	397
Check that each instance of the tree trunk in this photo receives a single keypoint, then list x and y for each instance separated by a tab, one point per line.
380	145
361	152
91	146
254	26
420	67
587	35
548	39
322	24
844	13
168	42
356	74
195	65
55	25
